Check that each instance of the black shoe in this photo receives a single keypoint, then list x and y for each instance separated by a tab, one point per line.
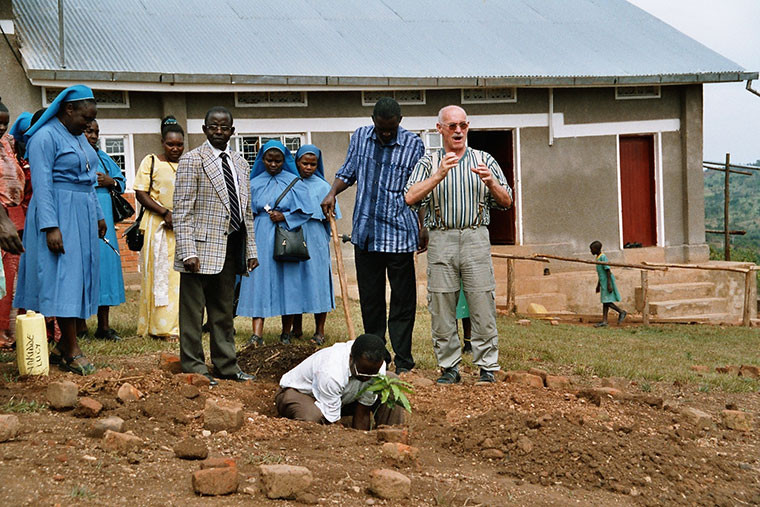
211	380
449	376
467	347
240	376
285	338
108	334
400	370
486	377
84	333
255	340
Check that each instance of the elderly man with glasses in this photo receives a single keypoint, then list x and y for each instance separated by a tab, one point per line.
458	186
328	385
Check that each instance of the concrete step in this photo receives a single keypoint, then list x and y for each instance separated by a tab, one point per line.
552	301
713	318
673	291
677	308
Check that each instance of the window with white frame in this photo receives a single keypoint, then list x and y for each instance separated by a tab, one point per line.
637	92
271	99
403	97
431	140
106	99
249	145
489	95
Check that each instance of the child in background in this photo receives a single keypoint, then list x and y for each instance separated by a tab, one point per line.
606	287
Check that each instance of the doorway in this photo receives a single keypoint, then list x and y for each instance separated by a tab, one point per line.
637	190
498	143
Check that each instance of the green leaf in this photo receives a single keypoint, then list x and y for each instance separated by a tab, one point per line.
384	396
405	403
396	391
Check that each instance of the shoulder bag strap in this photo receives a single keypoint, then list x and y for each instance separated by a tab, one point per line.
287	189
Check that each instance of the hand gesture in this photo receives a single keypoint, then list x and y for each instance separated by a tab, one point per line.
485	174
450	160
328	204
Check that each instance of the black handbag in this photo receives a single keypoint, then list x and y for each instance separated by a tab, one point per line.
134	237
289	245
121	207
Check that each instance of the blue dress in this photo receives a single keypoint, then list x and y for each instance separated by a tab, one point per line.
63	177
276	288
111	277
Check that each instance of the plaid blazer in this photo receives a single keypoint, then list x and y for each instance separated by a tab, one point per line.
201	213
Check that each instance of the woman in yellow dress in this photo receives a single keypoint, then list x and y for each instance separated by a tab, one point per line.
159	294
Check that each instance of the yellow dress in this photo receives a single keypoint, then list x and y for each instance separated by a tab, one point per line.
157	319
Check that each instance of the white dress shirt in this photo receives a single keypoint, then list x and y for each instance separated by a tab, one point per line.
218	160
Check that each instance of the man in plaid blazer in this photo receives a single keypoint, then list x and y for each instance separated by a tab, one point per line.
213	227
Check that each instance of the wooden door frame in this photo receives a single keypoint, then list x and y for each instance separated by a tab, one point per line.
658	187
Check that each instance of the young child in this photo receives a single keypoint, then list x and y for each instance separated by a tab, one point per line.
606	286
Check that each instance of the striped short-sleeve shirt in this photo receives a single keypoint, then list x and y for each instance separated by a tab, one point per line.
461	200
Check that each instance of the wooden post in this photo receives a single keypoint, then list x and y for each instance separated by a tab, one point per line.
342	278
645	296
511	306
726	200
748	276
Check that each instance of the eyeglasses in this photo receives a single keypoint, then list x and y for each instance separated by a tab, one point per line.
453	126
214	128
361	377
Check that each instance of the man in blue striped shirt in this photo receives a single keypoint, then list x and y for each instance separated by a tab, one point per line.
458	185
386	232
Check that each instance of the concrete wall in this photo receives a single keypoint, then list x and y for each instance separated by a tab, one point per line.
15	89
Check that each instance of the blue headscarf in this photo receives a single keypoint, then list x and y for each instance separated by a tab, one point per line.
310	148
289	164
70	94
20	126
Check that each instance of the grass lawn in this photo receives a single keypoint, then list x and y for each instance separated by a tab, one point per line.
658	353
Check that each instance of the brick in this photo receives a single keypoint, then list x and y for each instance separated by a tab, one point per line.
215	481
492	453
520	377
122	443
616	394
736	420
284	481
728	370
9	426
386	434
218	463
62	395
389	484
749	371
523	322
128	393
221	415
538	372
190	448
697	417
399	454
170	363
189	391
557	382
99	427
195	379
88	407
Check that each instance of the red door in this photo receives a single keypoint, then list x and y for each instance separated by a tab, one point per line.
499	144
637	189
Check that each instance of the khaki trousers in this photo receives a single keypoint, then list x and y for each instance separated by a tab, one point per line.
454	255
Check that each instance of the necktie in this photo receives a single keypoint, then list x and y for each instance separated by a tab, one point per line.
231	193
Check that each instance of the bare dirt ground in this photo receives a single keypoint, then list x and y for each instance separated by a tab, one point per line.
505	444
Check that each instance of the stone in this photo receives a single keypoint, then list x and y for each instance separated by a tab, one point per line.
524	444
215	481
388	434
500	375
557	382
128	393
612	392
9	426
697	417
122	443
728	369
189	391
88	407
492	454
221	415
749	371
539	372
418	381
736	420
307	498
649	399
195	379
399	454
170	363
699	368
554	323
671	405
618	383
523	322
112	423
218	463
62	395
389	484
591	395
284	481
520	377
190	448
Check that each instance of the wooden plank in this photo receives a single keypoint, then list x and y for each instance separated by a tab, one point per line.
726	200
748	276
701	266
511	285
645	296
537	257
342	278
613	264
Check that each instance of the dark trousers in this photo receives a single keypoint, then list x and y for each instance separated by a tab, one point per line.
215	293
371	269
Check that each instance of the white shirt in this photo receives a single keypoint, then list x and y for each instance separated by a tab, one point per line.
326	376
218	160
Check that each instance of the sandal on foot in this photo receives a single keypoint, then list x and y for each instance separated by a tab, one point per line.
69	364
108	334
285	338
318	340
622	317
55	354
85	333
255	340
601	324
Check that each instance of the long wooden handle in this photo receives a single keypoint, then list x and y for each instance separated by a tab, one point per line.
342	278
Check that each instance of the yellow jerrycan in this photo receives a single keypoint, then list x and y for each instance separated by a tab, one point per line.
31	344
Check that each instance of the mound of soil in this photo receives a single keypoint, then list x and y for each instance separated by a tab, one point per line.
270	362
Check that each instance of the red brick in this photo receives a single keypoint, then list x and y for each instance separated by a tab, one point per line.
120	442
88	407
385	434
218	463
215	481
170	363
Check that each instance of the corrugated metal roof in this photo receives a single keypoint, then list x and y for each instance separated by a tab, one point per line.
371	42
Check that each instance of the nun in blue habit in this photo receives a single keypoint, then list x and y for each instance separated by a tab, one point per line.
275	288
317	271
58	273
